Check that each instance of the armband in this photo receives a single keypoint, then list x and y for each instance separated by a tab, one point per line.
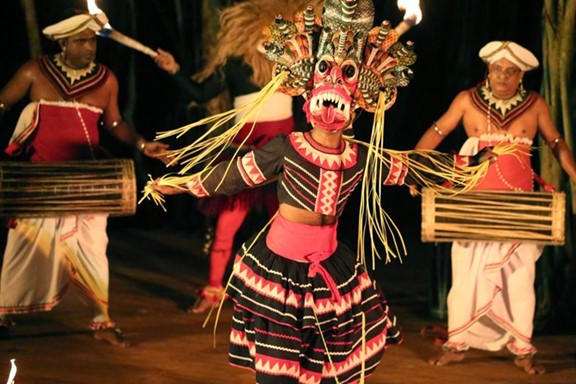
115	123
141	144
554	142
437	130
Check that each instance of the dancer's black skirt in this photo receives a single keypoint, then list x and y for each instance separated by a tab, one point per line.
287	327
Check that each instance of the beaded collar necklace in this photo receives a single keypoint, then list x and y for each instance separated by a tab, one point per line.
501	112
72	83
502	106
70	74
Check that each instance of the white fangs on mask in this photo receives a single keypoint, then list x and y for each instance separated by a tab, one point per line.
334	99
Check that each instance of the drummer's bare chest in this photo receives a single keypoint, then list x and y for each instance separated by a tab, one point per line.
42	89
477	123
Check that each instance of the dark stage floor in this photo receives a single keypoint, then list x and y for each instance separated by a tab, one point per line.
153	275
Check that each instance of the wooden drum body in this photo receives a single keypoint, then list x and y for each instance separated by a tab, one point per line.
501	216
67	188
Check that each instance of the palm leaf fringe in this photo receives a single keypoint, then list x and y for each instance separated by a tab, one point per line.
373	221
206	149
209	146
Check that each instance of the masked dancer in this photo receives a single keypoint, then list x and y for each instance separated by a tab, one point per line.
305	308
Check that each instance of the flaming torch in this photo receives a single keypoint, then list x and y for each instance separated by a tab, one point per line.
108	32
412	16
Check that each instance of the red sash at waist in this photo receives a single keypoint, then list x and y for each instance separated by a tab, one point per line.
305	244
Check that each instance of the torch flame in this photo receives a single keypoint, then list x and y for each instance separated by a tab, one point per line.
93	7
108	32
94	10
412	8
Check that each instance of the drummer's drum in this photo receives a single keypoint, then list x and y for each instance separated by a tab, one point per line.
531	217
67	188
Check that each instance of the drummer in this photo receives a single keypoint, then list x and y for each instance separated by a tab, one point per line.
70	96
491	303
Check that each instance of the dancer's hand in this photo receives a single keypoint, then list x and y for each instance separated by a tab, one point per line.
485	154
165	189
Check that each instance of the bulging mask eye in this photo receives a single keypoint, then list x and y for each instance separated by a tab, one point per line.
349	71
323	66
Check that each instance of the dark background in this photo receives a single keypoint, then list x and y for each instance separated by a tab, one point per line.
447	43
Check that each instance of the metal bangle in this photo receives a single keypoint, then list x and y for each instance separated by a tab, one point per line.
141	143
554	142
437	130
115	123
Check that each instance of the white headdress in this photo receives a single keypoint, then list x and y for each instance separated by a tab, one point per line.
496	50
74	25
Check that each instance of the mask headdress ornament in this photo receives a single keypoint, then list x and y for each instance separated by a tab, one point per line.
353	65
291	48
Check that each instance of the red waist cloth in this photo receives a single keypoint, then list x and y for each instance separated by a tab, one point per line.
305	244
62	132
510	172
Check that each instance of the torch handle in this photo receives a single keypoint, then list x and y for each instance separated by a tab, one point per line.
129	42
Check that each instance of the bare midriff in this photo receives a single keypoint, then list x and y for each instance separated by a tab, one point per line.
302	216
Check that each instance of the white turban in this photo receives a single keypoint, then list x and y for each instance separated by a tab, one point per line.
520	56
75	25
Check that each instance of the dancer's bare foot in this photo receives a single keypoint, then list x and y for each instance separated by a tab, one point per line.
529	365
446	357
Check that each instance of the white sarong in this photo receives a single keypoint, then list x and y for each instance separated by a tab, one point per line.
44	255
491	303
